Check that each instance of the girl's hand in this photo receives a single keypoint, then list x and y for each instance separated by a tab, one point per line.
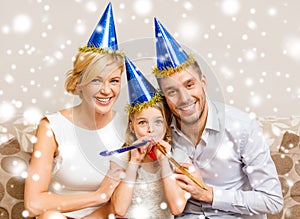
137	155
166	145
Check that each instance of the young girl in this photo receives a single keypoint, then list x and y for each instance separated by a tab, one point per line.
148	189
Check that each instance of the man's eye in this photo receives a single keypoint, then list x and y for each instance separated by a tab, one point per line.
171	92
189	85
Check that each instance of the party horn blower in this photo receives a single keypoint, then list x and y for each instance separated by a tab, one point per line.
181	168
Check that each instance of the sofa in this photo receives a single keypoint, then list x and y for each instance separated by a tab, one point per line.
18	135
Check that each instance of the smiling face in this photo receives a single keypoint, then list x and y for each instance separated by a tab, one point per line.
185	95
100	82
149	122
101	92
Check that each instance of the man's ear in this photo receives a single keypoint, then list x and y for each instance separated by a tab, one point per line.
203	81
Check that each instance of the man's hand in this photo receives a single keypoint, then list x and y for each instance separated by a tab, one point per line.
189	186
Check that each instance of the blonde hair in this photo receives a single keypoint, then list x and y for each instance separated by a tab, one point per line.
165	111
88	65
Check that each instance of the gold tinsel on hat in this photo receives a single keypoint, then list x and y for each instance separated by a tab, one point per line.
169	70
100	50
140	106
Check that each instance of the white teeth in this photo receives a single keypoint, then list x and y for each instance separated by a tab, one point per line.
103	99
188	107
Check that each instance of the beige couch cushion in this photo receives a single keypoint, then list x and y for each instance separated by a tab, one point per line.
14	163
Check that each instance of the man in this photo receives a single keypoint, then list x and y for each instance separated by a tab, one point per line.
228	152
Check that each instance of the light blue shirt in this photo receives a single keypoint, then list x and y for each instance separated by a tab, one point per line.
233	158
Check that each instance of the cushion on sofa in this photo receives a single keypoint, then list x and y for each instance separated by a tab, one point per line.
287	161
14	163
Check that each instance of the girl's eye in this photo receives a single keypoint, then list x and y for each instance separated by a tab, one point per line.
142	122
159	122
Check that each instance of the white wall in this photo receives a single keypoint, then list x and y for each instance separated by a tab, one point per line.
251	49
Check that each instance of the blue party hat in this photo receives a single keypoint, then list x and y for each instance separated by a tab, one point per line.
141	93
170	56
104	38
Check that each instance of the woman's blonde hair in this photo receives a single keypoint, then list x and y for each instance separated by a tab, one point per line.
165	111
88	65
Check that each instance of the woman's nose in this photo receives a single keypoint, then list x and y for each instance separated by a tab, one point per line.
105	89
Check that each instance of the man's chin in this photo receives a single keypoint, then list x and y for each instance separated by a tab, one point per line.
188	120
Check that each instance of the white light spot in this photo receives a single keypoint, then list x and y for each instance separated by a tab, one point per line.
249	169
230	7
91	6
187	195
49	133
255	100
191	169
46	7
252	11
142	7
230	89
103	196
111	216
251	25
5	29
22	23
249	82
9	78
292	47
37	154
272	11
245	37
163	205
226	72
24	174
7	111
188	6
188	30
122	6
35	177
25	213
32	115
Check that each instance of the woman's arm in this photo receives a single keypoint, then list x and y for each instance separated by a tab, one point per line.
37	199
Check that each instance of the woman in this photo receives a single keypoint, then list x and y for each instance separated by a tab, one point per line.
61	181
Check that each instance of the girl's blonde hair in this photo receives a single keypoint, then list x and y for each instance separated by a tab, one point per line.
88	65
165	111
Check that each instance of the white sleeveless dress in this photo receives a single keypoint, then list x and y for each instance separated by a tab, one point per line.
79	168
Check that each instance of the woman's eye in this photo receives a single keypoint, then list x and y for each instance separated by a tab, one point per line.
96	81
115	81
